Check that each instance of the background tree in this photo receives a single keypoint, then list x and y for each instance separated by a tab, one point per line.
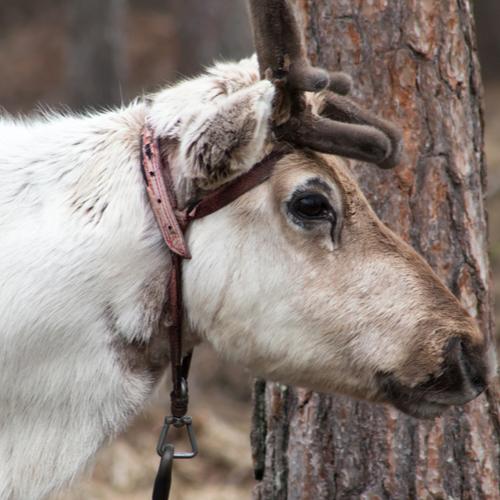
487	15
96	52
33	64
415	63
208	31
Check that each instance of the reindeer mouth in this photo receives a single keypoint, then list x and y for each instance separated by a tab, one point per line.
463	378
428	400
414	401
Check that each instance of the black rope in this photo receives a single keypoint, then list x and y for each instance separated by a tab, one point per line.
178	419
163	481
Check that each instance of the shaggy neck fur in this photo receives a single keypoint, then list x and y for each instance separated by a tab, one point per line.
83	268
83	272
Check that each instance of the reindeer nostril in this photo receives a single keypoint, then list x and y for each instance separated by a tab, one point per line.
463	376
454	349
475	369
469	364
479	383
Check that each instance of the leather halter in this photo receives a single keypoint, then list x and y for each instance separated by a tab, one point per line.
173	224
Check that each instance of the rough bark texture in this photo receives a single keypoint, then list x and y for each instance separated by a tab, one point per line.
96	54
415	62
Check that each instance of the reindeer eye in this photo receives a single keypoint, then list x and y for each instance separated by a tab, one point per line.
311	206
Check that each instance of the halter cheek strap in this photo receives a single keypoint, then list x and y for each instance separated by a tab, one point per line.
173	224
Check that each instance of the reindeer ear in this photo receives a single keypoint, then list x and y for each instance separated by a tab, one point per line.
226	138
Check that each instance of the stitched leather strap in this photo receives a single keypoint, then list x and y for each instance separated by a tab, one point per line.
161	193
172	224
231	191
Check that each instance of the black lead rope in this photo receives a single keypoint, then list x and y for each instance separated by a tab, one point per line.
163	479
166	450
179	397
161	193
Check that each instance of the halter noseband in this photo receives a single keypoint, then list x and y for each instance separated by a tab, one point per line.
173	224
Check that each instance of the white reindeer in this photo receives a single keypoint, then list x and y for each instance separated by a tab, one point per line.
298	279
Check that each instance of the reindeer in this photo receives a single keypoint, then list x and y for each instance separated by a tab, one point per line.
296	279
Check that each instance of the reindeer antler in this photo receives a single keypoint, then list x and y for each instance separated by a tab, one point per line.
341	127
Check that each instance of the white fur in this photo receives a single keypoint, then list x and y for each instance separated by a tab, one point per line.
62	388
79	245
83	270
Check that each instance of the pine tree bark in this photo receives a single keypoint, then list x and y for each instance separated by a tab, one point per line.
415	63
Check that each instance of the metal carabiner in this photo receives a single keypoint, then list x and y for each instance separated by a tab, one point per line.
177	422
161	490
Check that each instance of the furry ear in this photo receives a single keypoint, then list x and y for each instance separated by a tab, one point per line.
226	138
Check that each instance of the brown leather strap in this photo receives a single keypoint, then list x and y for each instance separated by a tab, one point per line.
161	193
178	396
231	191
172	224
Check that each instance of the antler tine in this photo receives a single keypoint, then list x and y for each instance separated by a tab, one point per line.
343	127
361	142
342	109
281	53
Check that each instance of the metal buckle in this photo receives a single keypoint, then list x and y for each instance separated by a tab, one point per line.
176	422
161	490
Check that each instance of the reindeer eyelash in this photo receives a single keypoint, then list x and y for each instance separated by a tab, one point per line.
311	206
310	209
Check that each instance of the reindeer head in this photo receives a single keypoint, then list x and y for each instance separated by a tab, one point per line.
298	279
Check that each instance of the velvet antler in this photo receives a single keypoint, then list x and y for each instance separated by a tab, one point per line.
341	127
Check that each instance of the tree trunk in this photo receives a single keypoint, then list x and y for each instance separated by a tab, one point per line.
96	55
415	63
487	15
210	30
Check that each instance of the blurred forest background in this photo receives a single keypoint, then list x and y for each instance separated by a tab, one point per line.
96	53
